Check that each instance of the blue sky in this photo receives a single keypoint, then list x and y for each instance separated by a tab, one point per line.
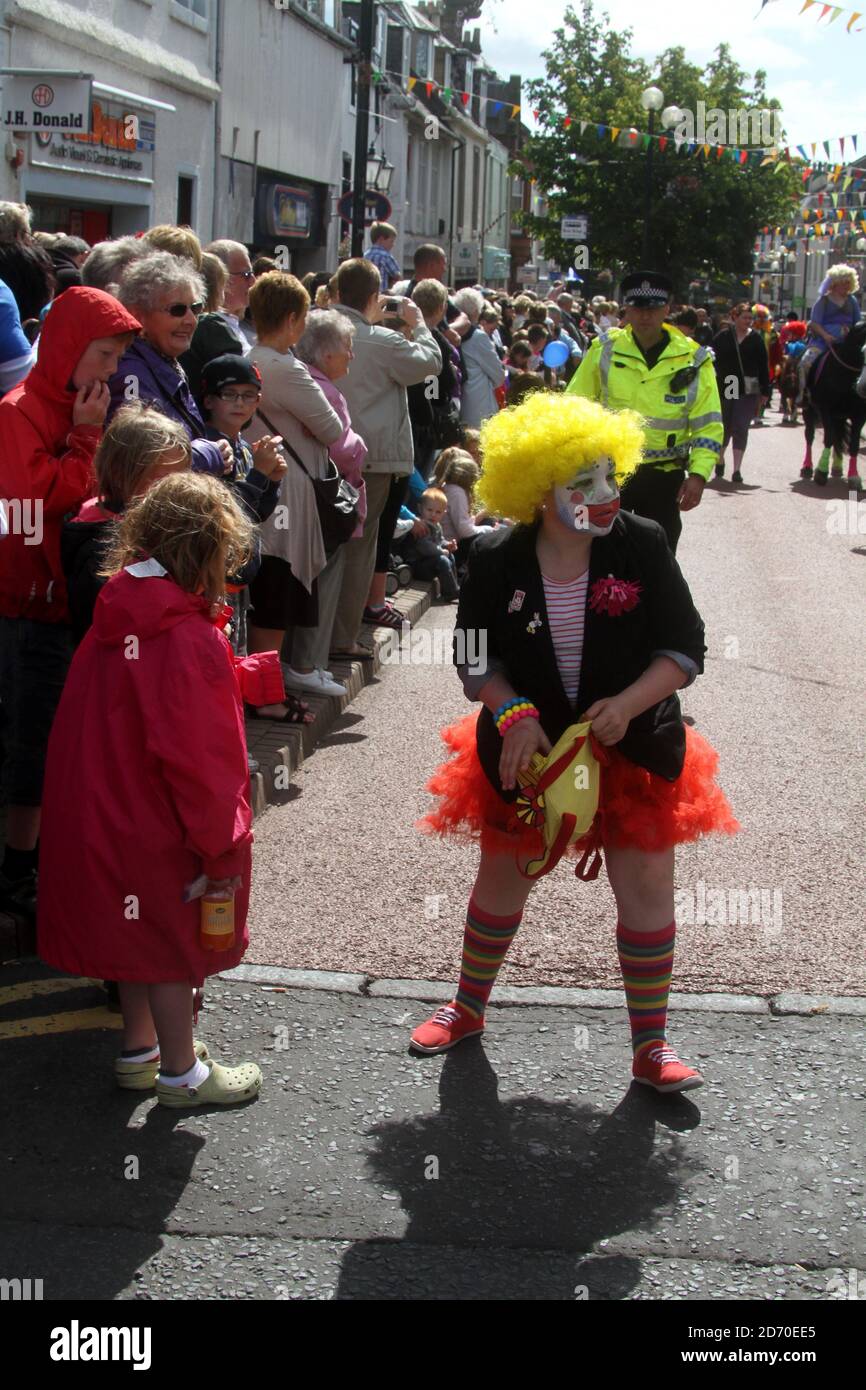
815	69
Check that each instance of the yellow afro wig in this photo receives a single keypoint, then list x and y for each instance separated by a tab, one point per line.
543	442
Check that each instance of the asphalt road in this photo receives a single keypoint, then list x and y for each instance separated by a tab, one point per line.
523	1168
344	881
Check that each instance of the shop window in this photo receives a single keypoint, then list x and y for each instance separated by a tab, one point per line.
185	200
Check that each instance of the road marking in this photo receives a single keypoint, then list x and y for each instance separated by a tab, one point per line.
30	989
75	1022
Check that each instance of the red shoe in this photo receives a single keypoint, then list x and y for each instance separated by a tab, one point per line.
660	1067
448	1026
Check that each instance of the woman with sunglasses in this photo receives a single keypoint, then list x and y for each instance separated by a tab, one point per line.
168	294
223	328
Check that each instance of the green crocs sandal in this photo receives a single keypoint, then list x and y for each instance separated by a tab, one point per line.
141	1076
224	1086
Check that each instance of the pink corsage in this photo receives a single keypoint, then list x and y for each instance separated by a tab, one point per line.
614	596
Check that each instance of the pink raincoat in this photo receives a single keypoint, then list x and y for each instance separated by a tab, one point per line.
145	789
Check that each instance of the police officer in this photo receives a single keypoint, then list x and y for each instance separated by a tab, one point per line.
650	367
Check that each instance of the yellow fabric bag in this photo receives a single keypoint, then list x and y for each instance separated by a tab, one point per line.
560	798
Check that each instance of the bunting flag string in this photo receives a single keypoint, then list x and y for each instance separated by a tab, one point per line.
448	93
833	11
762	156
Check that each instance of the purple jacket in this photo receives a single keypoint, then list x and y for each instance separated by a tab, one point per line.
157	382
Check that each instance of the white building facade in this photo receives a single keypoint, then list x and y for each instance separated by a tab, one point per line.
153	68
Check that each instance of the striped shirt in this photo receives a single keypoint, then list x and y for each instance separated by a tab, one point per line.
566	611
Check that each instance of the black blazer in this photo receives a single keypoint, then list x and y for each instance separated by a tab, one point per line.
616	650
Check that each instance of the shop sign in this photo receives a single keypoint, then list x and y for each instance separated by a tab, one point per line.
466	257
286	211
119	142
41	101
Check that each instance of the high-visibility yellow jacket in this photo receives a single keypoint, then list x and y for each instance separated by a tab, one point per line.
682	427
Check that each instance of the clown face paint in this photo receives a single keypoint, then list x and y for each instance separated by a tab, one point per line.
590	501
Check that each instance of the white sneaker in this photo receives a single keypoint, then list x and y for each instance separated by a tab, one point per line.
316	682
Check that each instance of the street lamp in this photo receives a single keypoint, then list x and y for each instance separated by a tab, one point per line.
653	100
379	172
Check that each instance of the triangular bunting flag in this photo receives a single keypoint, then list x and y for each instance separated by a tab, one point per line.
826	144
446	93
802	151
842	144
583	126
806	6
428	88
614	132
645	141
464	97
567	122
515	111
850	25
663	140
599	131
535	115
836	13
412	81
497	107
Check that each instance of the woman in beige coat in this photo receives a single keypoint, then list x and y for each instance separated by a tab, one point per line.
284	595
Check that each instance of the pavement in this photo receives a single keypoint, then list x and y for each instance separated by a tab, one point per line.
519	1166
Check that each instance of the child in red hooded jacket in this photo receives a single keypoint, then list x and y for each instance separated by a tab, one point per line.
50	426
150	733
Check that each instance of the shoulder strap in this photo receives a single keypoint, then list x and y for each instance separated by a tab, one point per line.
286	445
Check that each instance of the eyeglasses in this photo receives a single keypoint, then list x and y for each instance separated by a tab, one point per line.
246	397
245	274
177	311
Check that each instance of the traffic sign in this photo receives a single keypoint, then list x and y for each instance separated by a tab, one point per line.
376	207
574	228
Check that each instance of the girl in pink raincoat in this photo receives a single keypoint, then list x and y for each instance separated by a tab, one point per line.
146	786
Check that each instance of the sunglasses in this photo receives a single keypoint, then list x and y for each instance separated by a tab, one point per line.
246	397
177	311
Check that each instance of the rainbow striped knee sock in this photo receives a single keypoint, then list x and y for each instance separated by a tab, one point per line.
646	960
485	943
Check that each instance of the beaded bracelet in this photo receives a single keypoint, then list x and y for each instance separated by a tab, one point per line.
514	711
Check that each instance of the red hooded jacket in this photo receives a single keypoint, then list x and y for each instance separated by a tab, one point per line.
145	789
46	464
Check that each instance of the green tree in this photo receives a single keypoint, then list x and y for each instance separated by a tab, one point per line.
706	212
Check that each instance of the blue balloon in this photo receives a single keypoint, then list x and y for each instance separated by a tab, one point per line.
555	354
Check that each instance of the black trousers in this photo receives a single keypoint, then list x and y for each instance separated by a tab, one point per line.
652	492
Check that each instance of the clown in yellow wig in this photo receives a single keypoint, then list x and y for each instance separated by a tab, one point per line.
578	615
547	441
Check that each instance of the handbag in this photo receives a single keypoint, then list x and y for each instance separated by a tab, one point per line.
751	384
559	796
336	499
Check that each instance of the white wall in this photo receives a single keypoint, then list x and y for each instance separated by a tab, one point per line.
141	48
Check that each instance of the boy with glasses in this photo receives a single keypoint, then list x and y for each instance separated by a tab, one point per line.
231	391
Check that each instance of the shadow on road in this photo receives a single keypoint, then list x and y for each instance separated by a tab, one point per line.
506	1200
79	1162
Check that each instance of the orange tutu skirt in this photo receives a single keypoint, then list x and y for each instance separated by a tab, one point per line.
637	809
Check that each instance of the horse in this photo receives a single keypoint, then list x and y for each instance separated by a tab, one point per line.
835	395
789	389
